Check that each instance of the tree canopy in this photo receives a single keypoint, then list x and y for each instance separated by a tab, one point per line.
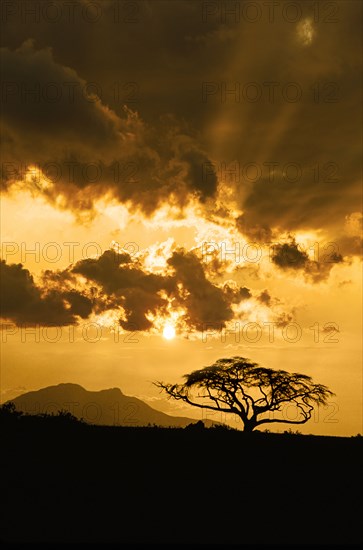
254	393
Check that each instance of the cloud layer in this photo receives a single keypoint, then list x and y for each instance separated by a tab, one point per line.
186	82
138	299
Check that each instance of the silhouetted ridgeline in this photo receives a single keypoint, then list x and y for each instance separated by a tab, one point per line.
66	481
105	407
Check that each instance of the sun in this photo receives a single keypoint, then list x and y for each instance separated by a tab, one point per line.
169	332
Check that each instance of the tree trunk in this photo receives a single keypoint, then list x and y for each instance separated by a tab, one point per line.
249	426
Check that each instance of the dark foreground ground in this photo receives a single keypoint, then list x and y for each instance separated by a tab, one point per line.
62	481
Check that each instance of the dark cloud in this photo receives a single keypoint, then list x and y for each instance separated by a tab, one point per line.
140	293
290	256
328	329
44	99
79	304
124	284
235	293
128	286
283	319
195	161
107	271
116	282
164	59
23	302
54	121
206	303
265	298
245	293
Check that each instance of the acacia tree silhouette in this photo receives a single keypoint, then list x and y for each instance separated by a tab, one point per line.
237	385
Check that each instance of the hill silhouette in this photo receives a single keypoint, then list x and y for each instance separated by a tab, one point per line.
108	407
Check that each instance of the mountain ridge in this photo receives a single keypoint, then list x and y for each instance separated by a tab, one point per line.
105	407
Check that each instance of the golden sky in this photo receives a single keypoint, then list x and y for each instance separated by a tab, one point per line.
182	184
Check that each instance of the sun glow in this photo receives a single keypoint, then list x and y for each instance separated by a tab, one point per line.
169	332
306	31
